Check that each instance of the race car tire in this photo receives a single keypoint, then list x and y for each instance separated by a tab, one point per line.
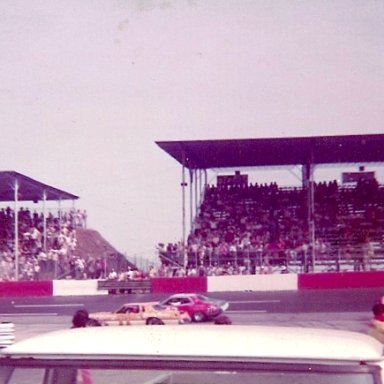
198	317
154	321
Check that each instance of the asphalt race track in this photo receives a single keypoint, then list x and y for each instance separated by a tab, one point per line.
341	309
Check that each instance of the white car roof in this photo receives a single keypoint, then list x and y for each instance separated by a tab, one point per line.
245	342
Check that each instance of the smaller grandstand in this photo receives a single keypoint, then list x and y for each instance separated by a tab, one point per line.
37	244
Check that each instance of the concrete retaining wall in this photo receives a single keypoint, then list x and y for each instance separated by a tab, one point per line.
179	284
341	280
281	282
76	287
26	288
252	283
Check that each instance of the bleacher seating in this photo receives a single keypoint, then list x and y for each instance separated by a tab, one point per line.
69	251
258	228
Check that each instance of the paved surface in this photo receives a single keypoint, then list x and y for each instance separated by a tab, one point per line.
338	309
354	321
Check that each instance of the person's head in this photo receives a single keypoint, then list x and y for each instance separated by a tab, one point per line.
80	318
378	311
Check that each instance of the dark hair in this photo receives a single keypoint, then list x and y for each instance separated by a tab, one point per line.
378	309
92	323
80	318
223	320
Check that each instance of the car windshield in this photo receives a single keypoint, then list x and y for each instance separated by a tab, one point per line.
160	307
124	309
129	309
273	375
205	298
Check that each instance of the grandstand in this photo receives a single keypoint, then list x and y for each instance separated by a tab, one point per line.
237	226
240	227
40	245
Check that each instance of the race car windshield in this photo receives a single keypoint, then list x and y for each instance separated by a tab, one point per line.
205	298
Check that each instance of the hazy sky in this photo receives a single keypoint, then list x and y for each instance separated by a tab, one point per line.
88	86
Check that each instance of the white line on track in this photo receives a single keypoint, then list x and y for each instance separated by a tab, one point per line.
248	312
27	314
255	301
47	305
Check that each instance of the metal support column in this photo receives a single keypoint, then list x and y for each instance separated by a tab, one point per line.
308	185
16	238
191	181
45	221
197	198
183	185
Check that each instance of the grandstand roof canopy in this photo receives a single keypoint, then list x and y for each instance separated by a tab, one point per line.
28	189
208	154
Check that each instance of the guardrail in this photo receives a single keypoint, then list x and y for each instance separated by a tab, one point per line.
128	286
260	282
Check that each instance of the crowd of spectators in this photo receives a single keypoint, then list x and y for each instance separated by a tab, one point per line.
239	229
259	228
43	250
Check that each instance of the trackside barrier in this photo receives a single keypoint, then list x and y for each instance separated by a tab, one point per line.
254	283
341	280
179	284
235	283
76	287
26	288
126	286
